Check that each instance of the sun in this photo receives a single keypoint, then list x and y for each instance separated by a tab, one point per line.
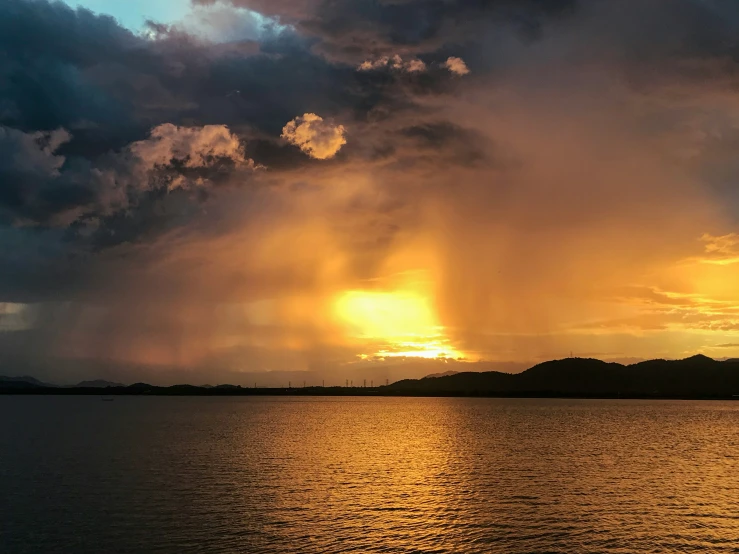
402	322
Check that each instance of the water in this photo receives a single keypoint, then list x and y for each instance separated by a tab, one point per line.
312	475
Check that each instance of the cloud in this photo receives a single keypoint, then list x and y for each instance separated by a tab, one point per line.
721	250
394	62
355	30
555	202
314	136
727	345
32	152
43	187
47	66
190	146
456	66
34	185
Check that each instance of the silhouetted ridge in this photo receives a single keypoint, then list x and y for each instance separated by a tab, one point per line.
700	358
444	374
140	386
463	382
99	384
697	376
23	381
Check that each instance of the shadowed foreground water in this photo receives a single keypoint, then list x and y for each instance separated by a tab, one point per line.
311	475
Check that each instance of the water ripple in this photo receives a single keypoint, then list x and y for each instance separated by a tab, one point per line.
331	475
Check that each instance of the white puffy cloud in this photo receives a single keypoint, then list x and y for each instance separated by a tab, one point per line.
456	65
318	138
54	190
369	65
396	62
414	65
192	146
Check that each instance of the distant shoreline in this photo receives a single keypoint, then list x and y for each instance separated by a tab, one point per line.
381	392
694	378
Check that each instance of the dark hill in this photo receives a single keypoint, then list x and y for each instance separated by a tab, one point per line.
444	374
24	381
140	386
698	376
694	377
466	383
99	384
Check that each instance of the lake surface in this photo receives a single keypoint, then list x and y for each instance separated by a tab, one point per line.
279	475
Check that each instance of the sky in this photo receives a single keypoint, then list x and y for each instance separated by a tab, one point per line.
133	14
327	190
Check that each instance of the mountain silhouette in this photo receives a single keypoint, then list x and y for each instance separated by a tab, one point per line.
98	384
444	374
24	381
697	376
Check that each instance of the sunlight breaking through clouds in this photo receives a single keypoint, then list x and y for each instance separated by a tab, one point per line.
557	187
405	321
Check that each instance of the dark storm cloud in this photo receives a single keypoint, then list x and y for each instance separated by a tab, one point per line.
42	187
123	233
76	90
352	29
454	143
69	71
50	55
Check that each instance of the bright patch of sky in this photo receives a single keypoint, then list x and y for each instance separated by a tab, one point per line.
218	22
134	13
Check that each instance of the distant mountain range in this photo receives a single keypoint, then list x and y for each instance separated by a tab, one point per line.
444	374
99	384
695	377
698	376
26	381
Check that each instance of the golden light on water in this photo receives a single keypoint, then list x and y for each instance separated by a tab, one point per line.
404	321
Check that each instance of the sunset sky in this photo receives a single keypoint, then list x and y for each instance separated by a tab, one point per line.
211	191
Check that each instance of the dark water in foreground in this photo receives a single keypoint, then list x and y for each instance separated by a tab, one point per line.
316	475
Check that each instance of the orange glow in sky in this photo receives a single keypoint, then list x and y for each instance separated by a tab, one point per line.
405	321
